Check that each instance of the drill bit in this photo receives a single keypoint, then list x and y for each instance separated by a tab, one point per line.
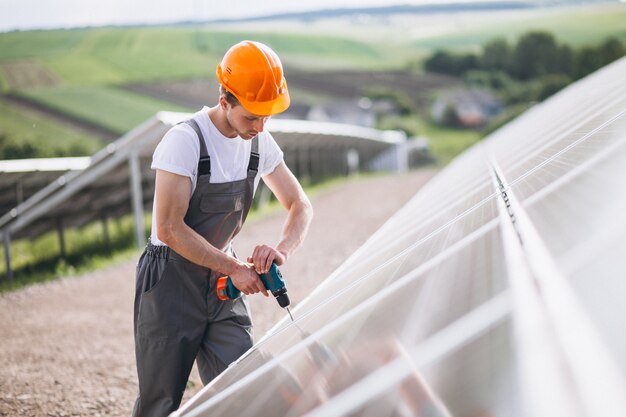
289	311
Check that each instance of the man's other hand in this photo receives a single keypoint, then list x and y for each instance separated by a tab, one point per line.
263	256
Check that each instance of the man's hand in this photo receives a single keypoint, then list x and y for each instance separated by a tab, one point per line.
247	280
263	256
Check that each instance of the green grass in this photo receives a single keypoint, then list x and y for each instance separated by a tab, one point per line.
56	267
573	26
19	129
123	55
39	260
4	84
40	44
111	55
110	107
320	50
446	143
136	54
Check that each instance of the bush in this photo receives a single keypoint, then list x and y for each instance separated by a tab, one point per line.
494	80
408	124
496	56
446	63
551	84
505	117
589	59
400	99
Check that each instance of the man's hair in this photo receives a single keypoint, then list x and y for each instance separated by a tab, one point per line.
230	97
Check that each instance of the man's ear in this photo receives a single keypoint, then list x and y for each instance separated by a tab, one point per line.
223	103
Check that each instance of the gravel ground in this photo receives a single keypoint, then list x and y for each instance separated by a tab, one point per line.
66	347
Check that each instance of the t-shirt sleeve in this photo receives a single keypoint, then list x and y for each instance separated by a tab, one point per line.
178	152
273	155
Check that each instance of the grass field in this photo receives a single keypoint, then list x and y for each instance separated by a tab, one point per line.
446	143
110	55
20	128
123	55
115	109
304	50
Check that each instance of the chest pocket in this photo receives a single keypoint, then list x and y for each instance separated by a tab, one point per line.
222	203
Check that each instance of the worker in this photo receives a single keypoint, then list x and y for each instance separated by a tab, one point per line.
207	170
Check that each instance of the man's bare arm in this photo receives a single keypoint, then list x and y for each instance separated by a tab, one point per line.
288	191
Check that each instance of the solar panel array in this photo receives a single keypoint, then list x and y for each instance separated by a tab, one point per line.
78	191
496	291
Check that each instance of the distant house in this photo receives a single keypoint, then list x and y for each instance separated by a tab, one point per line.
355	112
465	107
361	112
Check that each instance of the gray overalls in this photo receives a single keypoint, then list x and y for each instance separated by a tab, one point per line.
178	317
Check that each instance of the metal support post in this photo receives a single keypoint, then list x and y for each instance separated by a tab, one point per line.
352	161
61	233
6	240
105	229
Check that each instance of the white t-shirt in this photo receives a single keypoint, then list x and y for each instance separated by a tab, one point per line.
179	152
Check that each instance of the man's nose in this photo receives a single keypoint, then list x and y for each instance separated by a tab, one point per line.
259	124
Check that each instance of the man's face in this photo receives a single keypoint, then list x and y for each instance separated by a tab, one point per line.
244	123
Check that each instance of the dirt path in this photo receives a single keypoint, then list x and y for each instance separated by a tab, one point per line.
66	347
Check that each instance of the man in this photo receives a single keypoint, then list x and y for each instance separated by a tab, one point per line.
206	172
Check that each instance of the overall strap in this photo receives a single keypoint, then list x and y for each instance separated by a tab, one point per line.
204	163
253	165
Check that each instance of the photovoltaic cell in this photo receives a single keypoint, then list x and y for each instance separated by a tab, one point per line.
456	304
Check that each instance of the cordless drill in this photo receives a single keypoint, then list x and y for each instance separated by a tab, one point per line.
272	280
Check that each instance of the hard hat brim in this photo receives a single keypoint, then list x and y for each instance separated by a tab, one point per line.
267	108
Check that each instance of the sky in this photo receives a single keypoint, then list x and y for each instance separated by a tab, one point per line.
45	14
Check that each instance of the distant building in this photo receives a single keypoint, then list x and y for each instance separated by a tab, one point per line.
355	112
466	108
359	112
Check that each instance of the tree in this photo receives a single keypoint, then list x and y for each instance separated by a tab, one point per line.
565	61
535	55
440	62
588	59
399	98
496	55
496	80
611	50
450	116
550	84
446	63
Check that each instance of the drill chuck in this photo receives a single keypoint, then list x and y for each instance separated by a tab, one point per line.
282	297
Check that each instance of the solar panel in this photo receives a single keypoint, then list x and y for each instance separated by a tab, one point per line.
496	291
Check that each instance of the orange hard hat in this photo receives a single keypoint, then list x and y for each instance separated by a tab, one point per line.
252	72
